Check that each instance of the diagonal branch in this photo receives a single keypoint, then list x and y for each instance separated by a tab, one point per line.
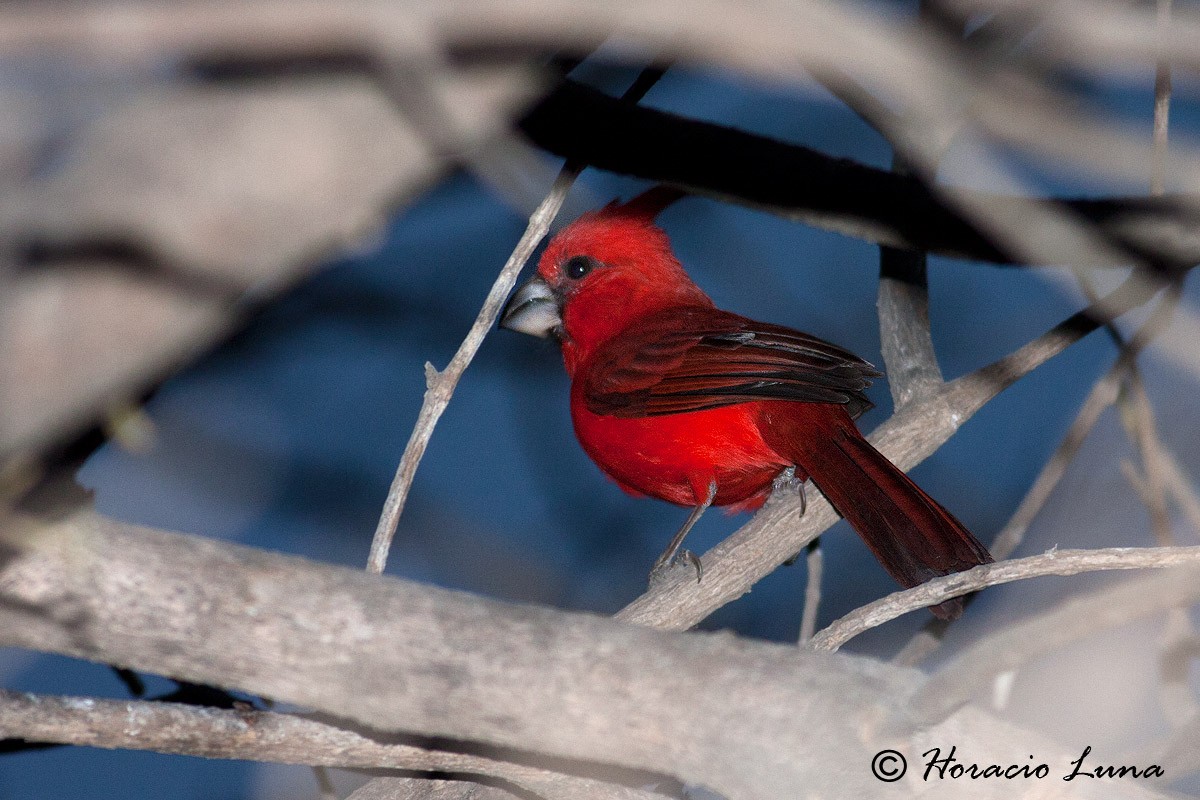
1104	393
912	434
1081	616
842	195
1054	562
441	385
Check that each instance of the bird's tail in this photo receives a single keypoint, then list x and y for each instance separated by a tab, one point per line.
910	533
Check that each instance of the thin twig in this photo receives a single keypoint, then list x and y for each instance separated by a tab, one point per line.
1162	477
1102	396
325	788
1179	646
1054	562
1138	414
815	561
1105	392
1182	489
440	385
1162	107
1081	616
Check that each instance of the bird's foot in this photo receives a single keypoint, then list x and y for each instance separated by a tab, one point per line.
786	482
666	565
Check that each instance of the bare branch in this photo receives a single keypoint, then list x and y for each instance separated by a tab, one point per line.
172	217
836	194
1074	619
882	53
1181	489
1115	34
919	69
812	591
441	385
779	531
74	207
1143	429
904	333
430	789
1105	392
261	736
1102	395
1054	562
1162	106
395	655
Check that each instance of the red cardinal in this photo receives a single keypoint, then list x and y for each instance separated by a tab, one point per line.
677	399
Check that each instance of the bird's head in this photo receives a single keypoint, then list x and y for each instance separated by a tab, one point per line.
600	273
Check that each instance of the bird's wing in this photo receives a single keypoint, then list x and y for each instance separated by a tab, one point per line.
695	358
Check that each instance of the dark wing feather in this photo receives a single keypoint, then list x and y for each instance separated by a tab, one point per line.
696	358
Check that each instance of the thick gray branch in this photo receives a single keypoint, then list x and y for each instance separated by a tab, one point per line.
423	789
402	657
749	719
217	197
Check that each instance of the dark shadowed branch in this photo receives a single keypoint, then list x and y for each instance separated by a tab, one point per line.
575	121
262	736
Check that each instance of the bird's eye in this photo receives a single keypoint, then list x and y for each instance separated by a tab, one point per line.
578	266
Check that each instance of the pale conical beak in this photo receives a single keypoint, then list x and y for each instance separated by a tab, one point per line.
533	309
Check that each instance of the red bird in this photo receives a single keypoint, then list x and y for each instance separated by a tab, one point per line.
677	399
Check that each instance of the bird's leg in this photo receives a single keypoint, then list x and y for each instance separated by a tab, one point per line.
673	554
788	480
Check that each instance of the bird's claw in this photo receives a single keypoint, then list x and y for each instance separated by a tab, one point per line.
787	481
665	566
